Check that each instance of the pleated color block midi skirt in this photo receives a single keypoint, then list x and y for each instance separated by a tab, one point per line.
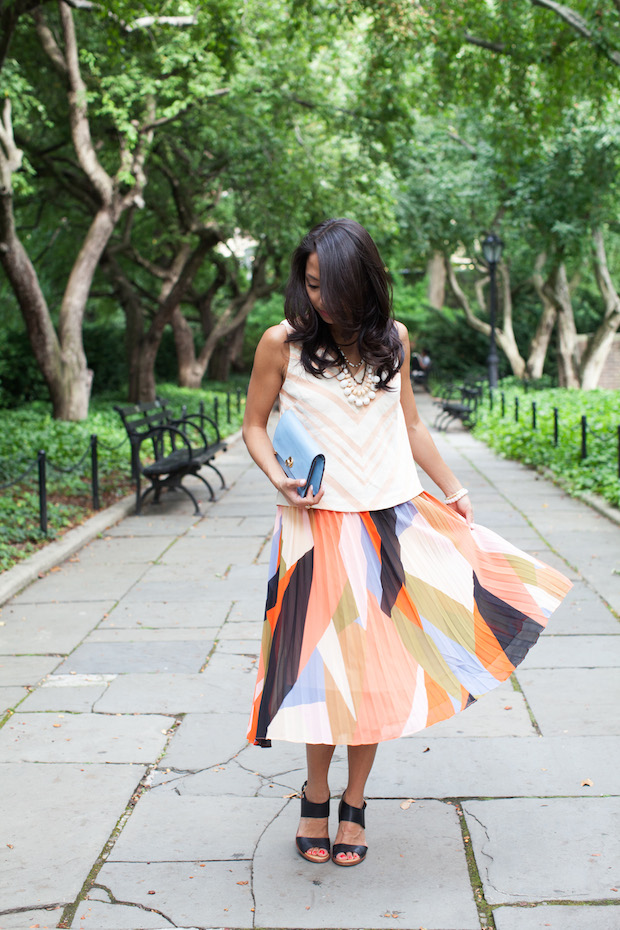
382	623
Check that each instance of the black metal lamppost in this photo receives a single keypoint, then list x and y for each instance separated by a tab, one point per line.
492	247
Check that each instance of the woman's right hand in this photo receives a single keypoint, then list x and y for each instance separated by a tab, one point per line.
288	487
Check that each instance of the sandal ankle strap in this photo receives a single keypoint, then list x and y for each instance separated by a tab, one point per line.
312	809
354	814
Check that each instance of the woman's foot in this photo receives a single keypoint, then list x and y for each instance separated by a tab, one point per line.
312	838
350	844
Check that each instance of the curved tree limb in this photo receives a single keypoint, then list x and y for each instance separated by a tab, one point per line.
577	22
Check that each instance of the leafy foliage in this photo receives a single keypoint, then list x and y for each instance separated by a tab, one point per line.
597	473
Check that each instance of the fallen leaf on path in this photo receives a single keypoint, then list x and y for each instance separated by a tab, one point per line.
405	805
587	783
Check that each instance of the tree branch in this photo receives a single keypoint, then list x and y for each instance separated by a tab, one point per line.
49	43
484	43
10	155
579	24
143	22
480	325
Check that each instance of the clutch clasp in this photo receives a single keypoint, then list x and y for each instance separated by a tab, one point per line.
289	462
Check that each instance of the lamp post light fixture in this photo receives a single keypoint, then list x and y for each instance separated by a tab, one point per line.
492	247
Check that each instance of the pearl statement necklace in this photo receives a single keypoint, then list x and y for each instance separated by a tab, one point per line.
357	392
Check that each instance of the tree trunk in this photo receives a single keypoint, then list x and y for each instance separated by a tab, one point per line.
190	371
539	345
601	341
225	354
436	271
558	291
60	357
505	340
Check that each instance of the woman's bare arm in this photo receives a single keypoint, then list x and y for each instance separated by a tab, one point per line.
268	374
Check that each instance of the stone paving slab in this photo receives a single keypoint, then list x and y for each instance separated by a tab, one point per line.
501	712
57	628
46	919
26	670
248	608
207	739
161	615
52	831
167	828
141	634
120	658
113	550
9	697
164	693
73	700
560	848
194	595
167	526
238	630
207	549
575	652
234	507
188	894
583	612
72	583
557	917
235	527
99	915
248	647
549	557
575	701
499	766
227	779
83	738
415	875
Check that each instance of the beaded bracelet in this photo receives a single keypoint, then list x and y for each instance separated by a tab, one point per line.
462	492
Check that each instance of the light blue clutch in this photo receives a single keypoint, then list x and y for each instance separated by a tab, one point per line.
297	453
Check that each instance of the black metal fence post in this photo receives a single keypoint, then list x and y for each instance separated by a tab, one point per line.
555	426
491	399
42	492
584	437
228	406
238	400
533	414
516	409
216	411
94	469
503	404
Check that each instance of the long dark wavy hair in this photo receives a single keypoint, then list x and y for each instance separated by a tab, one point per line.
357	294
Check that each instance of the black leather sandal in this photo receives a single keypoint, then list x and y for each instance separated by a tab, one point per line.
304	843
355	815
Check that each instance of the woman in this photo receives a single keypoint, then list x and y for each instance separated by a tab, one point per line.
387	611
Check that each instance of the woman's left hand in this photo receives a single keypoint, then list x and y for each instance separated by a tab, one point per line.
464	508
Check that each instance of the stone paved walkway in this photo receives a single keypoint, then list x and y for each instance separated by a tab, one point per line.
130	798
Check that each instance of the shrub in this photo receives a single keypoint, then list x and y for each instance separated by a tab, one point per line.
597	472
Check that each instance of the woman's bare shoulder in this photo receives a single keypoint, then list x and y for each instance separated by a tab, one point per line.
275	336
402	331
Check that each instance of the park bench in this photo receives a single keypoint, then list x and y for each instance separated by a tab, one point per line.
458	404
165	448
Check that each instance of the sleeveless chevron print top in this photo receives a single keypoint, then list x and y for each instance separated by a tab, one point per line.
368	460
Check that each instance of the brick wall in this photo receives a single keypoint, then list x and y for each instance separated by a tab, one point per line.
610	375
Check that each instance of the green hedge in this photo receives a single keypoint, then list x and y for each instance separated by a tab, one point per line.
597	473
25	430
